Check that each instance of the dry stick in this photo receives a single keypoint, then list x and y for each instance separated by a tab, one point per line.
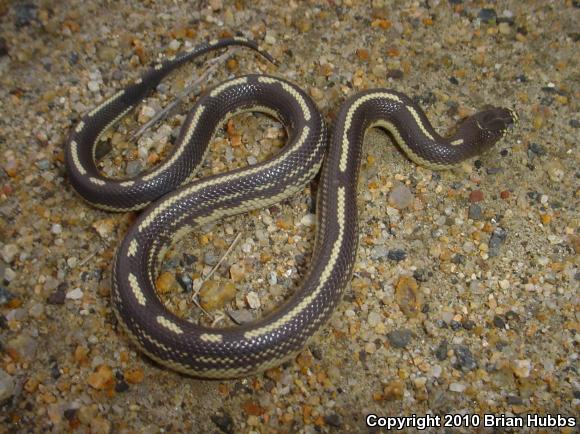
230	248
194	86
223	257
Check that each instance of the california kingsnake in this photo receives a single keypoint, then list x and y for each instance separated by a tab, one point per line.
181	204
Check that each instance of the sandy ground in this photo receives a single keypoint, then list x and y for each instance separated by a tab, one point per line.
465	293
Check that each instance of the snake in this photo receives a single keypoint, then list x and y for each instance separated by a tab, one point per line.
175	204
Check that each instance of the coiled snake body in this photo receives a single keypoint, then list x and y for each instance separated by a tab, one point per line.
181	205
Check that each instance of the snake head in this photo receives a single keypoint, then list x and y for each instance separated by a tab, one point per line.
495	122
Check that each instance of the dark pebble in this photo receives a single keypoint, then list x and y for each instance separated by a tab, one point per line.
441	350
465	359
397	255
514	400
3	47
521	78
474	212
504	152
73	58
54	369
3	325
400	338
468	324
487	15
333	420
499	322
453	80
500	345
455	325
421	275
242	316
458	259
59	294
121	386
577	394
5	296
441	324
189	259
478	164
493	170
185	281
535	149
533	195
574	123
70	414
496	240
103	148
396	74
224	422
316	352
24	13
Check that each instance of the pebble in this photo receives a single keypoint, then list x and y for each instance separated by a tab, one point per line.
400	338
58	296
441	350
522	368
397	255
93	86
401	197
224	422
134	167
7	386
25	346
5	296
166	283
475	212
9	252
374	319
185	281
241	316
308	220
497	239
253	300
394	391
476	196
75	294
408	297
238	272
102	378
213	295
465	359
333	420
25	13
487	15
457	387
535	149
174	45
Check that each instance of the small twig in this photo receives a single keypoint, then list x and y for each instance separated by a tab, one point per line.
217	319
88	258
232	245
201	307
193	86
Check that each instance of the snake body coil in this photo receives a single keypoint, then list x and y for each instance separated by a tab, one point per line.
185	205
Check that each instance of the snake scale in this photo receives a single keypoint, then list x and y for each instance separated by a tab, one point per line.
175	204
